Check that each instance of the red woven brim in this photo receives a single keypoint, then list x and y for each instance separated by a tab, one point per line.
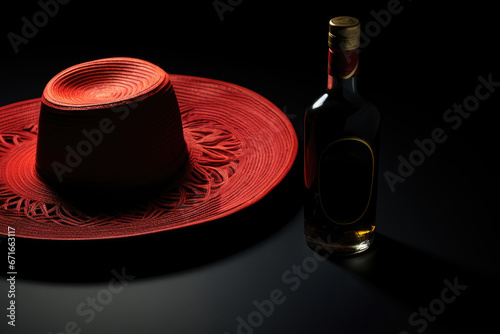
241	146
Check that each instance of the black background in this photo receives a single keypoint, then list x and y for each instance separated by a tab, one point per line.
439	224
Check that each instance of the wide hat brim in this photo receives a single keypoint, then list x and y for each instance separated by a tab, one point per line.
241	146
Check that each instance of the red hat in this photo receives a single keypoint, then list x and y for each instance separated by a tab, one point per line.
117	147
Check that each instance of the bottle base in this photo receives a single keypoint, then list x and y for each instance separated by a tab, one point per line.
338	249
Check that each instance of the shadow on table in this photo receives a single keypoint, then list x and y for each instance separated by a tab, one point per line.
165	252
416	280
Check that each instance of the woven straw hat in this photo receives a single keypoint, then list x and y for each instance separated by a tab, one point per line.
116	147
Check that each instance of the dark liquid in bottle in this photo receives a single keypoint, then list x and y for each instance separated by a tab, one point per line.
341	153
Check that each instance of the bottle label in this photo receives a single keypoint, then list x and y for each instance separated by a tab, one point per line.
343	64
345	178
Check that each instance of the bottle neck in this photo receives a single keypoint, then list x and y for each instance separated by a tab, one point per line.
343	71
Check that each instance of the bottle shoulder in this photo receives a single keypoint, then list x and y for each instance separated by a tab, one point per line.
341	117
331	104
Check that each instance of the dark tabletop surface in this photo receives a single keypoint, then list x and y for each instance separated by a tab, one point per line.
433	267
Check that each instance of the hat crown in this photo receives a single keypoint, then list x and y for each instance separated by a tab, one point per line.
110	124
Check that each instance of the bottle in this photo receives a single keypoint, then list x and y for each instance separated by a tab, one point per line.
341	144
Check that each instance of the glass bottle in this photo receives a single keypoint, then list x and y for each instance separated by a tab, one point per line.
341	135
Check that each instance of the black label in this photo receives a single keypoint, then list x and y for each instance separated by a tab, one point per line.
345	178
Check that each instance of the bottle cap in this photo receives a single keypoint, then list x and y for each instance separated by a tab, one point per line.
344	32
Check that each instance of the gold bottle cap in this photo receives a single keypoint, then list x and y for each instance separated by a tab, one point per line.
344	32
